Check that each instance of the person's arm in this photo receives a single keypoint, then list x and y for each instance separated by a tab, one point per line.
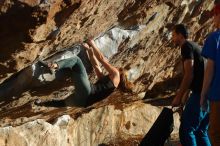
186	81
185	97
110	68
208	76
209	52
94	61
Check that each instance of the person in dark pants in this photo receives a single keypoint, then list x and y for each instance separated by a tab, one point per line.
86	93
194	121
211	85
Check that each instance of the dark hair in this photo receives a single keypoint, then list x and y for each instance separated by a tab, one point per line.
181	29
216	2
125	85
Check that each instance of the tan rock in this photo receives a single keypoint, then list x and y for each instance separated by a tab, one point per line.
100	125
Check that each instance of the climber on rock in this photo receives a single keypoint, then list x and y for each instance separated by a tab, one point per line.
86	93
194	121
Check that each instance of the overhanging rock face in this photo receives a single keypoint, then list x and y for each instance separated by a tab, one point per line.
110	41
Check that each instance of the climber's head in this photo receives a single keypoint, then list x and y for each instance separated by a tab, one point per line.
125	85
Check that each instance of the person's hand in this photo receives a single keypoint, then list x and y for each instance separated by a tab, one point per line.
91	42
88	49
53	65
86	46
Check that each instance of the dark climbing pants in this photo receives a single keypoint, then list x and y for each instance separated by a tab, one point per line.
79	78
